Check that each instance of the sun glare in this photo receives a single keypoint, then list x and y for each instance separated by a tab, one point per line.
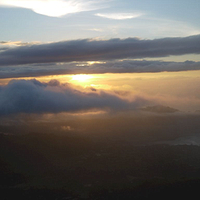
81	77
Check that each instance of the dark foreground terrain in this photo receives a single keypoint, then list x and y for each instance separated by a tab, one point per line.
58	166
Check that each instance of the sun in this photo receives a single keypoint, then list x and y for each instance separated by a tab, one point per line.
81	77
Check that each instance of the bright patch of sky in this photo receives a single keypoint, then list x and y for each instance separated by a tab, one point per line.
52	8
56	20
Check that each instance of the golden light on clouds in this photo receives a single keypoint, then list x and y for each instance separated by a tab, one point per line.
95	62
174	89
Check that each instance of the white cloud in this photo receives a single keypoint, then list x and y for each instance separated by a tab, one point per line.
53	8
119	16
96	29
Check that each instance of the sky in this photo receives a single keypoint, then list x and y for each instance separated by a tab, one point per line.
75	56
52	21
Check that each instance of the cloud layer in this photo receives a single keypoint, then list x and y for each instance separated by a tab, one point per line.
116	66
33	96
53	8
94	50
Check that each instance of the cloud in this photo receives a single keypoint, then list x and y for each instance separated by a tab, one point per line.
32	96
17	43
3	48
159	109
54	8
116	66
5	45
119	16
96	29
98	50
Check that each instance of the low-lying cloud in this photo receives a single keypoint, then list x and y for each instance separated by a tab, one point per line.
32	96
100	50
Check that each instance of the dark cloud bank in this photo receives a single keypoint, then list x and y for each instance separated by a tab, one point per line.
35	97
116	66
90	50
